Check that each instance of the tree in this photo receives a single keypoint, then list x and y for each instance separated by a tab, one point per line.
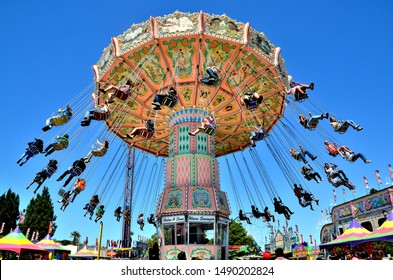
152	240
9	210
39	214
238	235
75	237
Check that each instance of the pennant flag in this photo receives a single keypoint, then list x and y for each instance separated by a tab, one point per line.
87	241
310	238
286	222
352	210
297	229
379	181
334	195
353	191
33	235
301	236
390	171
365	182
96	241
284	229
323	216
27	233
50	227
278	223
2	227
344	193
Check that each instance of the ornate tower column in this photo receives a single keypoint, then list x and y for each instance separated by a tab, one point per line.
193	211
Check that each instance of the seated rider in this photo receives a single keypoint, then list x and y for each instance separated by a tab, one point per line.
33	149
257	135
99	150
332	172
301	154
122	92
308	198
159	98
100	212
268	214
243	217
44	174
61	141
118	213
351	156
342	126
213	75
298	190
299	90
76	169
61	112
149	128
79	186
89	207
249	97
65	200
310	175
152	220
140	221
207	122
281	208
312	121
332	148
90	115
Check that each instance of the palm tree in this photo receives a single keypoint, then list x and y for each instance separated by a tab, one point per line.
75	237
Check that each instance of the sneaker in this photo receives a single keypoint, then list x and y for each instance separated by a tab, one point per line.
314	158
19	160
156	103
87	160
317	201
111	101
327	115
46	128
359	128
368	161
157	107
130	136
253	145
190	133
312	86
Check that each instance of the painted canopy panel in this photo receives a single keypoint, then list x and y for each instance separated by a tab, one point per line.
175	50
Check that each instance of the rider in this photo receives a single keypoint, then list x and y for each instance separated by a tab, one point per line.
118	213
140	221
90	115
257	134
332	148
213	75
281	208
65	199
80	185
49	122
159	98
80	164
312	121
152	220
45	173
299	90
149	127
250	96
350	155
60	141
243	217
207	122
33	149
100	148
341	126
100	212
309	174
301	154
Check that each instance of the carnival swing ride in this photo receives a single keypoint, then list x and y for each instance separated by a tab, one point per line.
186	89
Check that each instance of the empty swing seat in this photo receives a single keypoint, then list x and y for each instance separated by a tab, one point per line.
61	192
59	120
169	101
121	95
99	153
60	145
101	116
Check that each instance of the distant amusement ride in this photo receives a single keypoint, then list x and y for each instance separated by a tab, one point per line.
188	88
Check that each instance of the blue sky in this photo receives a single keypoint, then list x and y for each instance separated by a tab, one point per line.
343	46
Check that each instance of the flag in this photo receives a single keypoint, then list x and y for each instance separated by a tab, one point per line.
334	195
286	222
365	182
284	229
301	236
344	193
297	229
310	238
323	216
87	241
379	181
50	227
278	223
390	171
2	227
33	235
352	209
96	241
353	191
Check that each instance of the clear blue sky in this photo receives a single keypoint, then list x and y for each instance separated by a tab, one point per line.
343	46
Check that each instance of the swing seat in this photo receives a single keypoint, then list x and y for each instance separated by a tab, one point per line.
252	105
61	192
301	98
50	171
169	101
121	95
60	145
101	115
208	81
32	151
60	119
146	134
140	221
76	171
99	153
259	136
209	130
342	128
